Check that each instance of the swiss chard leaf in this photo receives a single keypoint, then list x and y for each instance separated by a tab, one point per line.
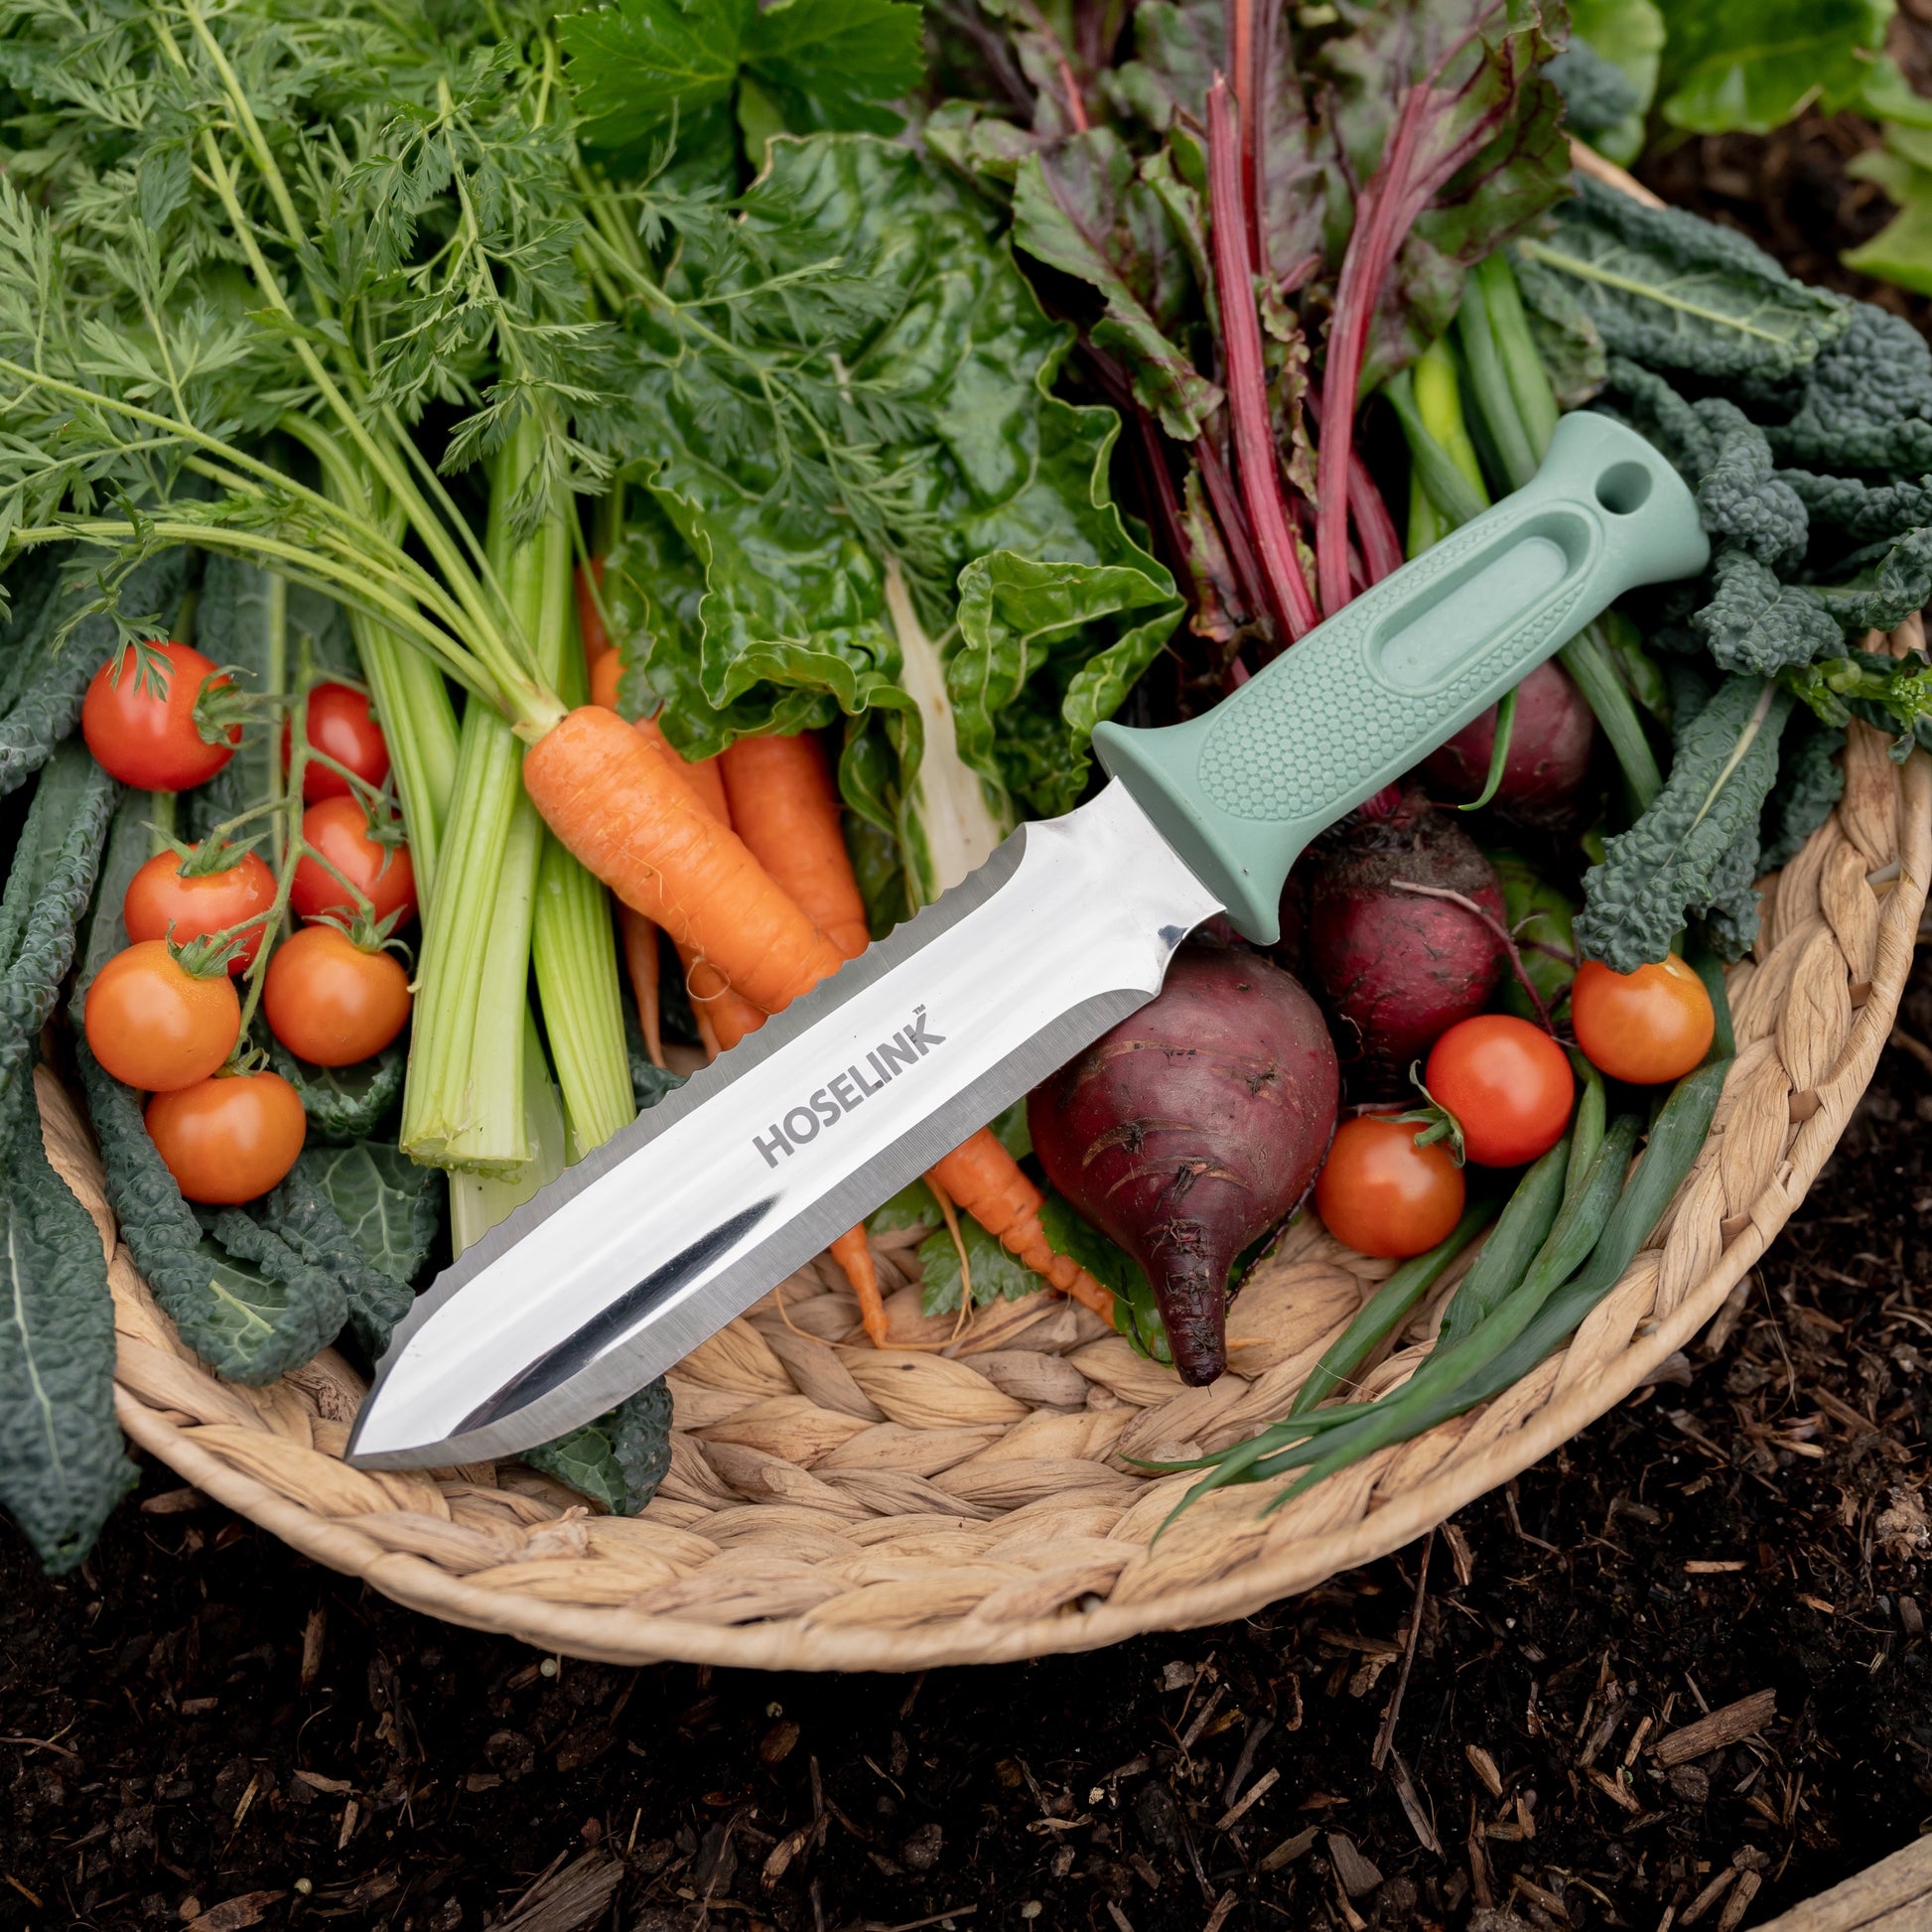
1750	66
61	1465
640	65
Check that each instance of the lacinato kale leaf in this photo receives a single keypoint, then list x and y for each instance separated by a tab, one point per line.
61	1465
1696	849
1865	403
241	1298
46	895
619	1459
1754	622
1674	292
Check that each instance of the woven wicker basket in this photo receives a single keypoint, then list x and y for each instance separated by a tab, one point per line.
833	1506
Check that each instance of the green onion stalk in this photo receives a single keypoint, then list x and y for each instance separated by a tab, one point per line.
1493	356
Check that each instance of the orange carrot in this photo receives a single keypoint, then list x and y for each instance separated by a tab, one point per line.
606	670
639	938
785	808
980	1176
640	825
590	620
853	1253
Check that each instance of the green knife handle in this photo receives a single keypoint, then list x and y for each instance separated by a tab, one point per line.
1241	790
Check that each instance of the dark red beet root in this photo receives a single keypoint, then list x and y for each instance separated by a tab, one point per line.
1396	968
1192	1128
1550	748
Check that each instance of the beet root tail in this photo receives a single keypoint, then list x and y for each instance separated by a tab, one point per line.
1191	1284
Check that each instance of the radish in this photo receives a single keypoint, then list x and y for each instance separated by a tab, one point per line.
1192	1129
1550	747
1395	966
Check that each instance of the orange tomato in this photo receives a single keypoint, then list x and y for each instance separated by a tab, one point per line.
1646	1026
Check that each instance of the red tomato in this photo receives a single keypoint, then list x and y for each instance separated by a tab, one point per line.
1382	1195
164	902
1509	1085
1646	1026
152	1023
331	1003
139	719
228	1139
342	724
339	829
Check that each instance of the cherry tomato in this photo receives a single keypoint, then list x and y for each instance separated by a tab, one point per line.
164	902
1508	1083
342	724
152	1023
1382	1195
228	1139
139	719
338	828
604	676
331	1003
1646	1026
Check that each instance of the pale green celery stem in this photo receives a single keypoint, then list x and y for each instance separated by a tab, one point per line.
951	817
463	1103
479	1201
412	704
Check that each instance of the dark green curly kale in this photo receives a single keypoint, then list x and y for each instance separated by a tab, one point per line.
245	1300
1596	94
1865	403
619	1459
1696	849
61	1465
1865	511
1754	623
1810	782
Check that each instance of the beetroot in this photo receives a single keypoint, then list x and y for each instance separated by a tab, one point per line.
1550	748
1192	1128
1396	968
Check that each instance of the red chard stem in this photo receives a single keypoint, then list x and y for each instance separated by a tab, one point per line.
1257	464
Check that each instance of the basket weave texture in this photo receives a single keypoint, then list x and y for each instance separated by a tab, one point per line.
970	1499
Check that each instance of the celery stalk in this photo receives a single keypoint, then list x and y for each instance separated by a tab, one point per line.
479	1201
412	704
573	943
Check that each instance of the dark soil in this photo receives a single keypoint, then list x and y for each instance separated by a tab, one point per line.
201	1719
201	1728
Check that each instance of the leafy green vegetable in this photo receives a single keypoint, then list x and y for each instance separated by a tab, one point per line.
619	1459
1673	291
640	67
1865	403
1811	781
48	890
65	643
1696	849
61	1465
996	1273
1541	916
1753	64
1629	35
385	1200
1901	252
343	1103
975	580
912	1207
246	1301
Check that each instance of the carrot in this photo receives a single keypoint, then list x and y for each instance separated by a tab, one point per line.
785	808
980	1176
606	670
639	938
589	621
853	1252
637	823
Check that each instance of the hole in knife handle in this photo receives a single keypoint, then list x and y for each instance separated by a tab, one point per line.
1449	626
616	1323
1623	488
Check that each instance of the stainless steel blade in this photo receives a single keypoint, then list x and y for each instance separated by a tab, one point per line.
654	1241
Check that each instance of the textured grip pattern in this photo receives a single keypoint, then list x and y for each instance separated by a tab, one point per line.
1262	761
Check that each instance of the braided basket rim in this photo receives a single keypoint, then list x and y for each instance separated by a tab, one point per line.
1840	923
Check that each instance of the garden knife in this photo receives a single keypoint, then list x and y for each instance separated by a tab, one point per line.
655	1240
